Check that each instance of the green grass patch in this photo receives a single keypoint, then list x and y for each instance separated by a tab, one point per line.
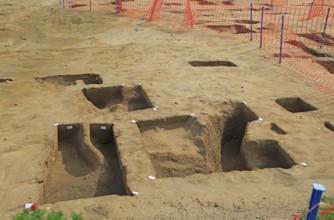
40	214
329	200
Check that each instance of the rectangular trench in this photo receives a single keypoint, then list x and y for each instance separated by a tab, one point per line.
85	164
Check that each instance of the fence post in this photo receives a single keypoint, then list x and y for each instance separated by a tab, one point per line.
90	5
154	10
251	21
317	191
281	41
323	33
189	15
63	2
119	7
261	29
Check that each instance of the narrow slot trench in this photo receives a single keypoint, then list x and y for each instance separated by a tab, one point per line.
111	180
233	134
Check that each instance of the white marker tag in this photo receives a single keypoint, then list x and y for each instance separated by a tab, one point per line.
28	205
304	164
151	177
103	127
69	127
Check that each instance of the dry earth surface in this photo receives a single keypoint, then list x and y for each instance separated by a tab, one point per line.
225	142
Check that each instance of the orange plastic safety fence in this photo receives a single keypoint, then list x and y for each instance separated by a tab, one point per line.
308	26
322	213
327	211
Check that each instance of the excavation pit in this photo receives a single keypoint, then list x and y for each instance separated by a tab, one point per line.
317	37
247	22
235	29
228	3
284	55
212	63
274	127
329	126
295	104
85	164
67	80
180	146
6	80
328	65
118	98
174	146
263	154
203	2
307	49
112	179
173	4
233	134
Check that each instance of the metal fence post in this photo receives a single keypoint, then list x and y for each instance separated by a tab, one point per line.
251	21
323	33
281	41
261	30
317	191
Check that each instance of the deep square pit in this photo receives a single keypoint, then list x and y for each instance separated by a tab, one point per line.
173	146
118	98
295	104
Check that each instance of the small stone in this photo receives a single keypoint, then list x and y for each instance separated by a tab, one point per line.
176	102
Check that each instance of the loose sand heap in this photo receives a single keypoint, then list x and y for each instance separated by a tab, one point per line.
108	121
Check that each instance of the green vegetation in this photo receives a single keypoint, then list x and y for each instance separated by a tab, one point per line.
329	216
40	214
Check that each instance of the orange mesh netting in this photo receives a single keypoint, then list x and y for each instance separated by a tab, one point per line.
308	26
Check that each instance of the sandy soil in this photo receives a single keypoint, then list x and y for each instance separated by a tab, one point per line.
187	125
